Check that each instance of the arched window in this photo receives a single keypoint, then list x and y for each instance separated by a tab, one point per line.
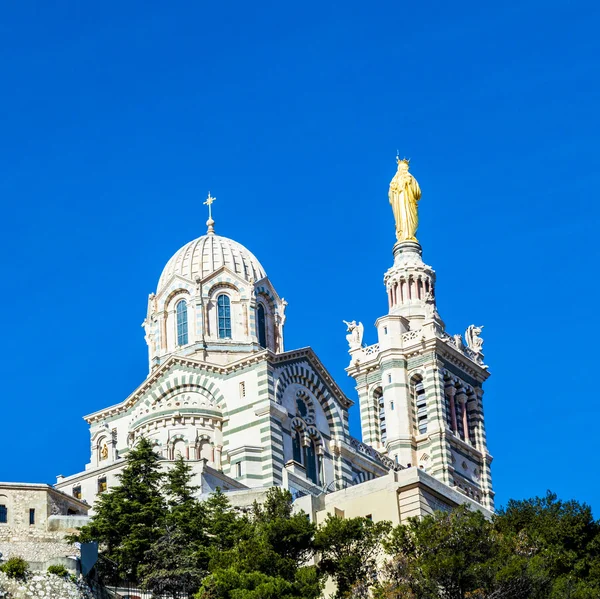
310	462
179	449
380	405
182	323
417	391
224	309
296	447
261	326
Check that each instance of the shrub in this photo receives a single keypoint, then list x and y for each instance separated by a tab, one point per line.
58	570
15	567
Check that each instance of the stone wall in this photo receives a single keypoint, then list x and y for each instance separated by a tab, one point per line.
38	547
19	501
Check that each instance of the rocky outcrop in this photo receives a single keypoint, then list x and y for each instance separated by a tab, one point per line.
43	586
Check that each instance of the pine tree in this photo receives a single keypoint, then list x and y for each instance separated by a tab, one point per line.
129	517
178	560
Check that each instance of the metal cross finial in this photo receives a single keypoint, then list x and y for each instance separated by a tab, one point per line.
209	201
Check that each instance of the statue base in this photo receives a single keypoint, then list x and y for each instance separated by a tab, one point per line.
407	251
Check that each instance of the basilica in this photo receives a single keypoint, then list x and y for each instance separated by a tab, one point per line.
225	393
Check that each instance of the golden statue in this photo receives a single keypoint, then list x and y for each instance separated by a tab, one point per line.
404	195
104	452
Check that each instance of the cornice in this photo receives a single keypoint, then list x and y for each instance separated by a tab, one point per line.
253	359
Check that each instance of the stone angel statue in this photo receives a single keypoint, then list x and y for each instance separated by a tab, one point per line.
474	341
355	334
404	195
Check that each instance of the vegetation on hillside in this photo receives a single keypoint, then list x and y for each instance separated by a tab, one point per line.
152	530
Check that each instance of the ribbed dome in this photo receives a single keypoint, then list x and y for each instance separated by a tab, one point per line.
208	253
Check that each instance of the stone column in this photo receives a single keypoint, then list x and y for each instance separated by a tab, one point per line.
451	392
218	450
163	331
461	397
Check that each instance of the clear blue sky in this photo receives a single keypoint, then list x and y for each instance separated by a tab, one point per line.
117	118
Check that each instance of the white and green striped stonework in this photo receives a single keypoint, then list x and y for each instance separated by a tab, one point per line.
420	390
243	412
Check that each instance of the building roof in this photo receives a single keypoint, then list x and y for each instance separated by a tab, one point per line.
205	255
43	487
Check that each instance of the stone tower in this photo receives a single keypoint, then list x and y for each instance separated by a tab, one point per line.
421	389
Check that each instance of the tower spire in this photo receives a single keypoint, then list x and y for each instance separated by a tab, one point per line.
210	223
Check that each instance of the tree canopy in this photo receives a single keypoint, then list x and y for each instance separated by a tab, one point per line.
153	530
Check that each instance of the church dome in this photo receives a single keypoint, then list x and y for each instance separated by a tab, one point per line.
205	255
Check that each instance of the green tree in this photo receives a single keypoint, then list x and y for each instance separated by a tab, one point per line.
224	526
177	561
349	551
446	555
267	558
560	542
129	518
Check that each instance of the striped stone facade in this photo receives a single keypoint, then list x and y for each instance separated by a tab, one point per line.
222	393
226	396
420	390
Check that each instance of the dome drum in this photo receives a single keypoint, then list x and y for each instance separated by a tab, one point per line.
213	300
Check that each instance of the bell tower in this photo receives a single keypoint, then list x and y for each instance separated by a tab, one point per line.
421	389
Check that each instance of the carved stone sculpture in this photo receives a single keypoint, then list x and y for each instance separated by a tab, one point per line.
355	334
474	341
430	308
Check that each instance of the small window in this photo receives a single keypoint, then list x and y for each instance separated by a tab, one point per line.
102	486
296	447
77	492
182	323
301	407
392	406
385	330
238	469
311	462
242	389
224	314
31	517
3	514
261	325
389	378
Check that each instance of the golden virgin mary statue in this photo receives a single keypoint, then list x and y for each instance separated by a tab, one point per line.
404	195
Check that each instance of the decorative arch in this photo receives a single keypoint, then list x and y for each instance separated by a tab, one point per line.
300	374
265	294
178	402
179	292
310	416
174	441
186	382
219	286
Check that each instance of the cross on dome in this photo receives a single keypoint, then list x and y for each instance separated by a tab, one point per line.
210	222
